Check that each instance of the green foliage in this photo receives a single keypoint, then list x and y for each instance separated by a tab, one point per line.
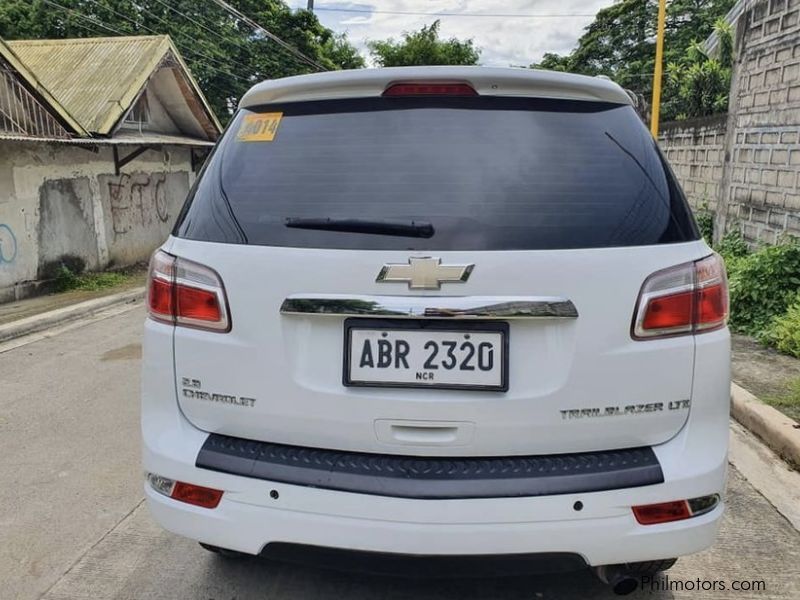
705	222
732	246
763	285
789	401
424	47
66	280
783	333
225	55
620	43
698	85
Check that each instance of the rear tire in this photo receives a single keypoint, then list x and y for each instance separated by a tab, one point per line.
224	552
650	567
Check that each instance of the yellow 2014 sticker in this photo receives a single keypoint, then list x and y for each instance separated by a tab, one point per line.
259	127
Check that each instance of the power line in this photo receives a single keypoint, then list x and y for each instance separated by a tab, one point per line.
184	50
82	16
454	14
123	33
241	16
167	5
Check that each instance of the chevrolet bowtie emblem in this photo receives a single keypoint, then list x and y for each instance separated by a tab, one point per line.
424	273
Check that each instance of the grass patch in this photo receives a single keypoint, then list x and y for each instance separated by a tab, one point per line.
67	280
789	401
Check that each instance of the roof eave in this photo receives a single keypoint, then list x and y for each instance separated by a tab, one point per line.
114	120
196	87
68	120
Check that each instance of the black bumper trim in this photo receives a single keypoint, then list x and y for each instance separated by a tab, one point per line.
430	566
432	477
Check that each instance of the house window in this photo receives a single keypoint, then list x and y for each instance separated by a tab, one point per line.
139	112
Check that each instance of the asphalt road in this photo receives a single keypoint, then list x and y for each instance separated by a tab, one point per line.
73	525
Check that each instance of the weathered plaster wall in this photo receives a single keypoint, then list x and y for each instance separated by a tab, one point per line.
140	210
58	200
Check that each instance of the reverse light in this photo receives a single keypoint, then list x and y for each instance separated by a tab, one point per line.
185	492
430	89
677	510
687	299
183	292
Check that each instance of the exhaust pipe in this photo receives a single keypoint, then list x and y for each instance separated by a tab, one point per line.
618	577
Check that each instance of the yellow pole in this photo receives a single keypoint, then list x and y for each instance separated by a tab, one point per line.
656	110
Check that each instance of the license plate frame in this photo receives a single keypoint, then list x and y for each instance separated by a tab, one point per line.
501	327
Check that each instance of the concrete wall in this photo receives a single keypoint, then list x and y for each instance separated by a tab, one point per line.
761	194
755	185
696	150
58	200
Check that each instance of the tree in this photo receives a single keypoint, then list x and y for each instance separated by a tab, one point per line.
424	47
620	42
225	55
699	84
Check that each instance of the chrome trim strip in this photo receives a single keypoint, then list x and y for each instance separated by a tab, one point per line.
438	307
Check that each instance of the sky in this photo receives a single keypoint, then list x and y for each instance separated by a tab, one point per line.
506	39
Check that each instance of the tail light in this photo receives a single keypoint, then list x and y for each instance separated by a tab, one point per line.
664	512
682	300
185	492
430	89
182	292
677	510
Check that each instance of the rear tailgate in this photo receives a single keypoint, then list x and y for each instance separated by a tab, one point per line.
574	384
545	198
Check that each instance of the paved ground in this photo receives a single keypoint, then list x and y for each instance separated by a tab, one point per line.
73	525
13	311
769	375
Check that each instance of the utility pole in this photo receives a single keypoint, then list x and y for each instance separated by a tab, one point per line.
656	109
310	5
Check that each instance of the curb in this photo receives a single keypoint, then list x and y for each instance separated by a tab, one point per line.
775	429
46	320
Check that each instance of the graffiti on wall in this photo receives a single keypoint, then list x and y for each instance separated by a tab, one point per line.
138	200
8	244
139	210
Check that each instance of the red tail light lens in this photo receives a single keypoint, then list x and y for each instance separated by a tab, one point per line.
430	89
182	292
195	494
677	510
689	298
650	514
159	299
668	312
197	304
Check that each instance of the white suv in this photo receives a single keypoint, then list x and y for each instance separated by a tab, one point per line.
438	311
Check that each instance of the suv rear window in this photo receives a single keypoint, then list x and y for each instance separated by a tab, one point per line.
483	173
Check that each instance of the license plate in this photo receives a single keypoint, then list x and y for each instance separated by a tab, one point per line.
426	354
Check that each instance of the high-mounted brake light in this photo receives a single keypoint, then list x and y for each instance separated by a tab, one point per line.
182	292
686	299
430	89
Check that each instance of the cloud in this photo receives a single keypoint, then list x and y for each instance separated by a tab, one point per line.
504	40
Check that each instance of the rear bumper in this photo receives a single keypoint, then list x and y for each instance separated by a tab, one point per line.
249	528
604	531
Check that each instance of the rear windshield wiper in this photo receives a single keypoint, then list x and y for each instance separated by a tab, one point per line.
417	229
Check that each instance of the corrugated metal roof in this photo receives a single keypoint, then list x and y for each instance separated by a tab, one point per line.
97	79
44	94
